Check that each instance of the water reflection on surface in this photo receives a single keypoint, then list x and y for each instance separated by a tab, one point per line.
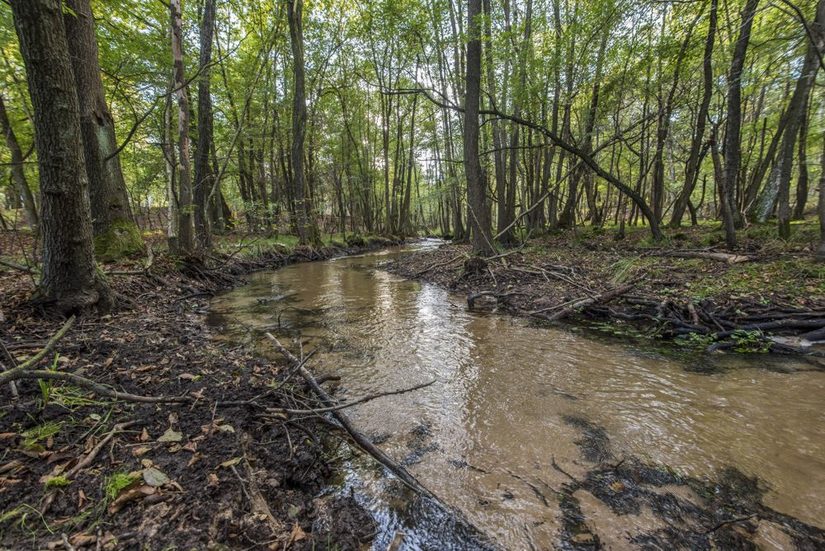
484	436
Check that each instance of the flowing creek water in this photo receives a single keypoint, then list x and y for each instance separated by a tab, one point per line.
511	398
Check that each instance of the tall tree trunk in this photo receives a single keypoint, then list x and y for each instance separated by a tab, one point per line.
663	128
70	281
18	175
731	217
589	127
796	113
171	165
820	251
476	192
694	157
499	161
204	178
113	225
186	242
307	233
802	179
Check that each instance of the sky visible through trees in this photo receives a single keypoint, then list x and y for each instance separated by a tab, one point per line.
349	117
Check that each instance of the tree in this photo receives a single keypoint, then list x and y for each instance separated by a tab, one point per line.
18	175
733	147
204	178
476	194
307	232
113	225
820	251
185	244
70	281
796	114
694	157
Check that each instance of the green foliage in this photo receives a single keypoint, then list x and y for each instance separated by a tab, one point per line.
695	341
750	342
118	482
33	436
57	482
122	239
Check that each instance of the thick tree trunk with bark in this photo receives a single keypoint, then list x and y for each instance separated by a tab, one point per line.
204	178
733	148
70	281
18	175
115	232
476	196
186	243
307	232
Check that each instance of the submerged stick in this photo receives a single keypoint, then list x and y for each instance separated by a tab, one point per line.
363	442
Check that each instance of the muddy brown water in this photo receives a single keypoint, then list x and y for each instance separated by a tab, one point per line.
485	435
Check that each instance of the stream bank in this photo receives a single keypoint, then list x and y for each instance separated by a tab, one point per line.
545	438
684	291
160	475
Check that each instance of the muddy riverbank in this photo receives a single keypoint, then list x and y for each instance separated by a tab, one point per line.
116	475
683	292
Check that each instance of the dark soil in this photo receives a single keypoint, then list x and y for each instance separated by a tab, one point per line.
233	477
722	513
773	301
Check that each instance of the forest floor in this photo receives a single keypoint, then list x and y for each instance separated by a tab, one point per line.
767	297
81	471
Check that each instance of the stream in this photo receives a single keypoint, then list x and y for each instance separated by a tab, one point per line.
512	398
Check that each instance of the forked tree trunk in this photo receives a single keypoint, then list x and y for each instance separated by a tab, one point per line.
694	157
796	113
115	232
70	281
733	147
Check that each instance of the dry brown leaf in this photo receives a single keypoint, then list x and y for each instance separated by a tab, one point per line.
128	496
142	450
297	535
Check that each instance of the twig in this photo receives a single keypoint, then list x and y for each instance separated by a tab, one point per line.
13	373
729	521
100	389
87	460
15	266
352	403
562	471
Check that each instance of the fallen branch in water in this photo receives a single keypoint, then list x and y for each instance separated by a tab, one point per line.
363	442
346	405
471	298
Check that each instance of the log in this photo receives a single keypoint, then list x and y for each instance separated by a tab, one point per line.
719	257
585	302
